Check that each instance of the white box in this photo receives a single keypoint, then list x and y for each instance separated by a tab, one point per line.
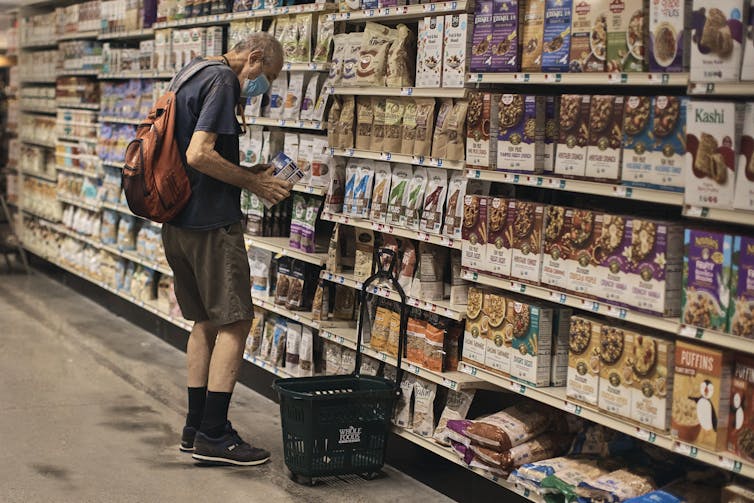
176	53
747	66
433	53
715	50
456	46
744	193
214	44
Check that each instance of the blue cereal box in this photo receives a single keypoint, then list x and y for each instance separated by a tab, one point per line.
669	149
557	40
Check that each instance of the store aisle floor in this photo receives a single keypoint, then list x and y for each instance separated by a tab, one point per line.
91	409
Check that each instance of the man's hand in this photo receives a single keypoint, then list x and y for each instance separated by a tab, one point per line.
265	185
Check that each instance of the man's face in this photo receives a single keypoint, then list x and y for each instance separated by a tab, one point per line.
255	66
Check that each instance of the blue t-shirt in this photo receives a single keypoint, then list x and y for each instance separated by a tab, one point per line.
207	102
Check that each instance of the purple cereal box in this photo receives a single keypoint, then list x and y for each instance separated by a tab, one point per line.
706	279
481	38
520	139
557	40
741	318
504	36
613	270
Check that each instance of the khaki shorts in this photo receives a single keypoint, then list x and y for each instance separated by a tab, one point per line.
211	273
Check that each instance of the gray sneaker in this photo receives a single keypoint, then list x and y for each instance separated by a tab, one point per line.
229	449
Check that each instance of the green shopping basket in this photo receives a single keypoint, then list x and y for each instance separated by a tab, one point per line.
339	425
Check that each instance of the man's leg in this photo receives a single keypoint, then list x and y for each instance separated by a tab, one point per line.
198	354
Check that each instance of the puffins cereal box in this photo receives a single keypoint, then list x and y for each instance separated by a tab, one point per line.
583	360
744	193
716	41
616	373
741	317
652	380
701	396
741	421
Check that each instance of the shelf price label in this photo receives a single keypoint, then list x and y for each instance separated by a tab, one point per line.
386	156
414	369
686	449
408	91
689	331
573	408
517	388
730	464
646	435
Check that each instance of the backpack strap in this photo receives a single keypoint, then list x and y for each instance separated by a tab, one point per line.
182	77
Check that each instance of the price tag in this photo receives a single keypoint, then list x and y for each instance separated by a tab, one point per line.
694	211
282	122
646	435
386	156
370	13
359	285
419	160
386	11
453	5
332	152
413	302
287	66
685	449
448	383
479	77
710	88
517	388
423	236
730	464
573	408
521	288
296	317
341	280
383	357
350	152
595	307
407	91
341	340
516	179
414	369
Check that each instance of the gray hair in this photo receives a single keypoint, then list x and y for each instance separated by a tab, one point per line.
271	48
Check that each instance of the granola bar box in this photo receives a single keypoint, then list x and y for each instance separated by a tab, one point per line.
531	353
701	395
741	317
615	369
668	50
743	198
481	130
526	257
741	420
652	380
583	378
712	138
474	232
481	37
706	279
717	36
573	135
505	20
556	248
499	335
476	328
502	213
582	265
603	156
557	35
520	137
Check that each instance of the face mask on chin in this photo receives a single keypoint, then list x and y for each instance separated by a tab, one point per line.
255	87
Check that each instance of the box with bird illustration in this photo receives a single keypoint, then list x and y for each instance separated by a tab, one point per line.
701	395
741	423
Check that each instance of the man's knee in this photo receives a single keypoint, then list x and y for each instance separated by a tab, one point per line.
238	329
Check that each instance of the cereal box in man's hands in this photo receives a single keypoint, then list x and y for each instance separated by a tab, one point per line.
526	258
520	133
716	41
706	279
583	359
476	328
474	231
481	37
499	244
589	35
616	372
744	192
556	249
741	317
557	35
701	395
573	137
505	19
603	156
652	360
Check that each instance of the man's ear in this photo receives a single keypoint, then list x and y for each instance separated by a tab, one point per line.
254	56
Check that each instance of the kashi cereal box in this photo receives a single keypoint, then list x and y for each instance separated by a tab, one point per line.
717	33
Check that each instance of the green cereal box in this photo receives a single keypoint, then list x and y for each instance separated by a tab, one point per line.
531	353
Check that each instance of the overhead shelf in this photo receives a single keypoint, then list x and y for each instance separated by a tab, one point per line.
286	123
281	246
119	120
125	210
721	88
94	206
741	217
41	176
582	79
41	79
77	171
579	186
306	67
269	367
41	44
734	342
418	160
39	110
419	92
79	72
142	34
77	105
136	74
403	12
79	35
79	139
219	19
39	143
303	317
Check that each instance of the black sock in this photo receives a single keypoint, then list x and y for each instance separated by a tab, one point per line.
215	414
197	397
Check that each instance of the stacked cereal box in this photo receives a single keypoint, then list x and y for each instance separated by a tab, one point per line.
570	155
526	257
474	231
741	422
626	28
556	248
481	37
583	360
502	213
603	159
504	50
481	131
651	390
741	318
589	35
520	133
744	194
498	340
668	51
557	35
616	372
532	329
477	326
582	265
716	41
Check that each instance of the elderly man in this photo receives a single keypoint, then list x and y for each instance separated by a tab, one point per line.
204	244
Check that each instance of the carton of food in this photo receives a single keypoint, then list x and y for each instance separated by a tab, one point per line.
559	364
557	35
481	130
741	420
520	133
613	271
526	257
499	244
638	140
481	37
668	51
741	317
626	35
583	360
455	50
669	132
589	35
476	328
716	41
582	263
701	395
551	133
531	353
652	360
556	248
573	135
603	157
498	338
433	51
713	131
504	50
706	279
474	232
532	35
616	373
744	192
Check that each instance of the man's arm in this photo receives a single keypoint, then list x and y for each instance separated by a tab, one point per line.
202	156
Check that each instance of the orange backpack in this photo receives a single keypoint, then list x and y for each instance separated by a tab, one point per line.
154	177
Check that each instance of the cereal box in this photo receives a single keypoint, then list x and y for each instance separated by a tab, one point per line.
615	370
573	135
557	35
474	232
504	36
747	67
712	136
583	360
626	28
603	156
531	353
701	396
741	318
163	40
744	192
481	130
589	35
638	141
499	244
716	41
559	364
520	137
741	421
551	133
455	50
581	263
612	244
737	493
433	52
481	37
526	257
669	130
477	325
498	339
532	35
706	279
668	50
652	380
556	249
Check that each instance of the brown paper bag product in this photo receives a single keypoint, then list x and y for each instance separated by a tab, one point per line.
425	123
378	124
400	72
332	122
408	130
371	66
346	122
439	139
455	132
394	110
364	119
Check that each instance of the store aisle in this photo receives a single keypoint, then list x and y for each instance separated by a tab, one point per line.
91	409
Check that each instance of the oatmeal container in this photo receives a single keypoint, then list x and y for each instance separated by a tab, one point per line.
616	373
603	156
744	192
583	360
526	257
652	381
520	133
557	35
531	353
481	37
504	50
573	136
499	336
717	35
476	329
499	244
556	249
741	421
741	310
668	51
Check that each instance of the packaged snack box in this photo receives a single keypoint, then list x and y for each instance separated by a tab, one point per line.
603	157
481	37
626	36
505	21
652	381
481	130
556	249
716	41
741	421
741	318
701	396
499	244
667	156
498	339
582	264
531	353
667	35
532	34
520	133
589	35
477	326
744	192
474	232
573	136
616	373
583	360
526	257
557	35
612	244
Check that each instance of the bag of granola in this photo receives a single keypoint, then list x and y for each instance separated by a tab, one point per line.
439	139
378	123
364	119
400	71
408	131
325	31
425	124
455	132
394	109
372	64
346	122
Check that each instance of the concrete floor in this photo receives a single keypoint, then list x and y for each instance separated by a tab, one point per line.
91	409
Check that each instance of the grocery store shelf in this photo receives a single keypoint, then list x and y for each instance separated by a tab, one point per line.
403	12
39	110
144	33
218	19
419	92
721	339
741	217
721	88
138	259
119	120
39	143
455	380
93	242
46	218
303	317
41	44
75	201
281	246
310	189
539	292
391	229
79	139
287	123
79	35
440	307
77	171
579	186
264	364
556	397
306	67
418	160
75	105
582	79
79	72
111	164
125	210
145	74
40	79
41	176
